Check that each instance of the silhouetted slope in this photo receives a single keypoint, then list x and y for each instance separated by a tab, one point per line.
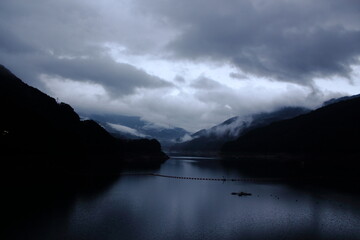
32	123
48	156
212	139
333	129
336	100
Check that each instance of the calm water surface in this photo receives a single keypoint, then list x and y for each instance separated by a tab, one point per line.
148	207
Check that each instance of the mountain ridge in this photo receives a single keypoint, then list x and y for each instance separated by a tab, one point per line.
210	140
34	123
332	129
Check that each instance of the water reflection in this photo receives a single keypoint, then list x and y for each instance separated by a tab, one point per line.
148	207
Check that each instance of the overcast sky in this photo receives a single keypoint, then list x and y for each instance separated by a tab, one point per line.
188	63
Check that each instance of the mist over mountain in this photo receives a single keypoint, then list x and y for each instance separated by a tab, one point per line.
336	100
332	130
135	127
211	140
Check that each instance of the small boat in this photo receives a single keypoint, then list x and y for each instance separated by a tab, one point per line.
240	194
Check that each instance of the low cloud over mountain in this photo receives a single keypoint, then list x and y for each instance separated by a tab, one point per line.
173	62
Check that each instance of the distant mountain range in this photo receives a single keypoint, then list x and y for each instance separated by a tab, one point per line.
211	140
332	130
134	128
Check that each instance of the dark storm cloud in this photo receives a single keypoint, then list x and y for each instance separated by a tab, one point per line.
285	40
204	83
12	44
179	79
64	39
117	78
238	76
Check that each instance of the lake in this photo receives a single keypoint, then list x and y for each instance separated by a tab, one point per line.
153	207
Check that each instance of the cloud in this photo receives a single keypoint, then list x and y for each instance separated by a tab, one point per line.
12	44
179	79
125	129
205	83
178	63
185	138
66	40
192	110
119	79
294	41
238	76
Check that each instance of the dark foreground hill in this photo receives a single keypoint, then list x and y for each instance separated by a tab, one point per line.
49	156
328	134
34	124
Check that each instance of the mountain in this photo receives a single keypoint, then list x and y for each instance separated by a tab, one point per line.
34	124
49	156
336	100
332	131
210	140
134	127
